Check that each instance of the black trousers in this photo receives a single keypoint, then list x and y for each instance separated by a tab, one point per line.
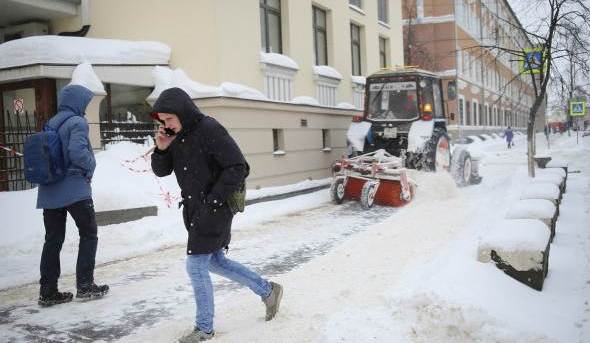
55	231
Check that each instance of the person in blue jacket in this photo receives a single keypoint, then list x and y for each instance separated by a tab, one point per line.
509	135
73	195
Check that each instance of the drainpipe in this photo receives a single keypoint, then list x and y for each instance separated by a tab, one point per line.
84	12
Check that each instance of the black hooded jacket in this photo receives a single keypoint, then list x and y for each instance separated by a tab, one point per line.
208	165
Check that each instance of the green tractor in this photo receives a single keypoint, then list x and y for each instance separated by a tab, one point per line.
405	114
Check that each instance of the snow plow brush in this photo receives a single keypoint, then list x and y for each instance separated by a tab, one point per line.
374	178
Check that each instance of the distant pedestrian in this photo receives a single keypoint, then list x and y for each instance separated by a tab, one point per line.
209	167
72	195
509	135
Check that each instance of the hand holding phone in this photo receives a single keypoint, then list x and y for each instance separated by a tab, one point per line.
164	137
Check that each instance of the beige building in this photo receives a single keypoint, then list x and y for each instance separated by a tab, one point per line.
307	59
446	36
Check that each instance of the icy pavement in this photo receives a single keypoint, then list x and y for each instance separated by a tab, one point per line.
149	288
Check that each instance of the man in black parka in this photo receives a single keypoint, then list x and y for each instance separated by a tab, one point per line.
209	167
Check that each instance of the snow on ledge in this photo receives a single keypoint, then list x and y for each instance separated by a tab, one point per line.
305	100
359	80
278	60
346	106
75	50
531	209
85	76
327	71
165	78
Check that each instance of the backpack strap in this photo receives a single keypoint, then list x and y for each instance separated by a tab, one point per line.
48	127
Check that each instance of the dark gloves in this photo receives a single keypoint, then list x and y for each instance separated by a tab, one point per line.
213	201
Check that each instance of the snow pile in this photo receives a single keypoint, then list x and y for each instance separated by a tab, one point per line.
557	163
551	171
165	78
236	90
278	59
85	76
305	100
327	71
531	209
419	135
547	191
547	177
49	49
516	235
356	134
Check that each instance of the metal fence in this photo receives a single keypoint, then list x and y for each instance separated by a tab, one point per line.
15	128
126	128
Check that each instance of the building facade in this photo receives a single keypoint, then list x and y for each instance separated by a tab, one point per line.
465	42
308	59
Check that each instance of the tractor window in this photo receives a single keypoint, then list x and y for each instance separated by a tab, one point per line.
426	96
438	106
393	101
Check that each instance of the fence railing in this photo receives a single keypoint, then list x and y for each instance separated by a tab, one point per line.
14	129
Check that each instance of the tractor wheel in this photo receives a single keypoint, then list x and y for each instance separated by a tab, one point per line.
368	194
337	191
438	151
461	168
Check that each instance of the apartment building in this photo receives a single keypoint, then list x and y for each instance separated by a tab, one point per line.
307	59
450	38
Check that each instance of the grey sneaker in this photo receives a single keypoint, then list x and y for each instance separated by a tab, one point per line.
273	300
196	336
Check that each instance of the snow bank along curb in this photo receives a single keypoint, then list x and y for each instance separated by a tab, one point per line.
520	248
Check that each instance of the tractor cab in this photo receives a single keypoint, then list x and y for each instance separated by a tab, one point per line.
395	100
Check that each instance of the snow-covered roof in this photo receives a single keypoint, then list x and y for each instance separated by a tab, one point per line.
551	171
554	163
75	50
531	209
553	178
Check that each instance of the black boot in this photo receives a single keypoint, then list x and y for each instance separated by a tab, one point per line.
92	291
54	298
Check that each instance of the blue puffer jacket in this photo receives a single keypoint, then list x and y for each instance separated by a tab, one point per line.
78	155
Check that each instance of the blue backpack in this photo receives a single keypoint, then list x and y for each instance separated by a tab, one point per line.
43	156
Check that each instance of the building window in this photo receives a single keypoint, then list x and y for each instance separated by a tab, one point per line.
357	3
355	42
383	52
320	37
278	141
383	10
467	113
270	25
326	141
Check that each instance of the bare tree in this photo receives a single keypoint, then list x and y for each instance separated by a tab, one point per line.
560	34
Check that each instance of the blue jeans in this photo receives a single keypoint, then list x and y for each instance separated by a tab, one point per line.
198	267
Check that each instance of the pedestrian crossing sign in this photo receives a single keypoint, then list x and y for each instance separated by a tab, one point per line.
577	108
533	61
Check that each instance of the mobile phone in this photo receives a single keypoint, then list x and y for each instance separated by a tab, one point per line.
169	132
